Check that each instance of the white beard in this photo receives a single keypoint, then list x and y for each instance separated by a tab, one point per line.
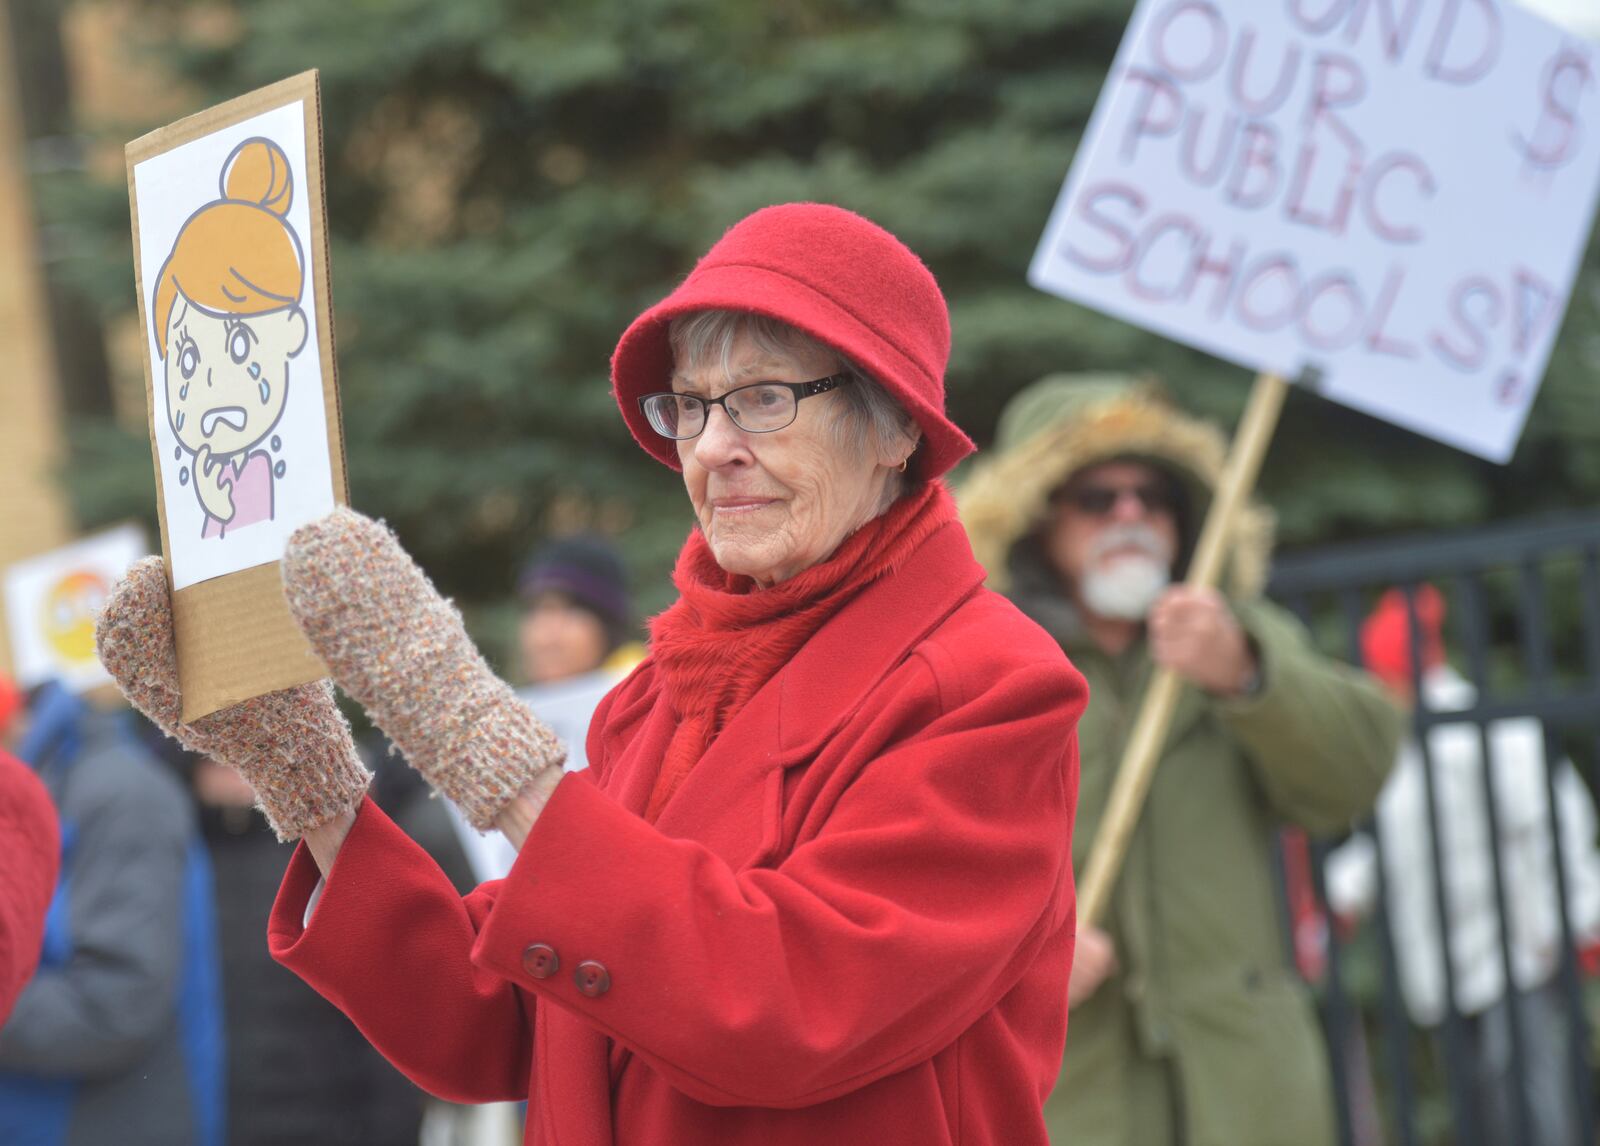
1126	589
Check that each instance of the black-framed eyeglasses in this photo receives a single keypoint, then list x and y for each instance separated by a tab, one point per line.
758	408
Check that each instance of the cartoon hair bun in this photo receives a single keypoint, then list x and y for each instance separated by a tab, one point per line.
258	173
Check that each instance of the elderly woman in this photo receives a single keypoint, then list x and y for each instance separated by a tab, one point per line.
815	886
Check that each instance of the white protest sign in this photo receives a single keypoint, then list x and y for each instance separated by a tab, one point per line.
51	602
1396	193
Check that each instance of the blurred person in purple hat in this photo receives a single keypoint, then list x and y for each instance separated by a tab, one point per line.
576	616
575	640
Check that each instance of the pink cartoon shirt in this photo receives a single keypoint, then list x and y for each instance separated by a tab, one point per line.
252	494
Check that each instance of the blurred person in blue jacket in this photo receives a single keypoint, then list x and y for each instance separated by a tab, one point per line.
118	1038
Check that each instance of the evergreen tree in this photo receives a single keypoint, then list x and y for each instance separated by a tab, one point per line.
509	184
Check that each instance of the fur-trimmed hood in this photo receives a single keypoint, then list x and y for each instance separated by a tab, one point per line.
1065	422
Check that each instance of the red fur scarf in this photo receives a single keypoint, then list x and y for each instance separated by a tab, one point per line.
723	638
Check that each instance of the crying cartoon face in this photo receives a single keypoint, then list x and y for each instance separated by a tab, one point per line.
227	375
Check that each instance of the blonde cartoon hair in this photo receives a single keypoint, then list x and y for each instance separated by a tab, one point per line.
238	254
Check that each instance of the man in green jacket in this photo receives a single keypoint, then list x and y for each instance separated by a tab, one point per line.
1188	1023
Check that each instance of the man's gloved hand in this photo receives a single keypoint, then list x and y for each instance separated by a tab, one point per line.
293	746
392	642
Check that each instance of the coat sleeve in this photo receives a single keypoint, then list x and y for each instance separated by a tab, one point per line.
113	1000
389	944
920	902
1322	735
30	850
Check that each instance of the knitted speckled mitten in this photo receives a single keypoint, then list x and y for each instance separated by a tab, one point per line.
400	649
293	746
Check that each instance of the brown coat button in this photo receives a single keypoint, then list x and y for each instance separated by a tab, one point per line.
592	978
540	960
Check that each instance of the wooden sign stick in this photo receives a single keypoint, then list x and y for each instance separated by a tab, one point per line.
1140	757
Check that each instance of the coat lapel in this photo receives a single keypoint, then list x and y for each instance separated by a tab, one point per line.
632	774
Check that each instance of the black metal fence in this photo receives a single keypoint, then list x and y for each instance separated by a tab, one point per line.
1524	627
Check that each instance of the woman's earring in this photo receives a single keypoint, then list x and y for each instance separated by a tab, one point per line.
904	462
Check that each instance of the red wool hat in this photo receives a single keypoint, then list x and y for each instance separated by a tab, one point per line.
1386	636
834	275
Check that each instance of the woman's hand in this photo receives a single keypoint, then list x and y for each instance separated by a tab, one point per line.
215	495
401	650
293	747
1094	960
517	818
325	840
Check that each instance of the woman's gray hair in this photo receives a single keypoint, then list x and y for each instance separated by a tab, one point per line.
869	414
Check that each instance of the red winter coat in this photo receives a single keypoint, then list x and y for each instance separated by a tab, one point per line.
852	923
30	852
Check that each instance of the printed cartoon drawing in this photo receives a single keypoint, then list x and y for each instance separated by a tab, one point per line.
227	320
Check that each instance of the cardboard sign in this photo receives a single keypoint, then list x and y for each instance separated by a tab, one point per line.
51	602
1394	193
231	260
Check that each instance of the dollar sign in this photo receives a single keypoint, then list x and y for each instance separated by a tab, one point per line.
1554	140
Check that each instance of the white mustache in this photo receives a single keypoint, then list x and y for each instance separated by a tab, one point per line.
1129	536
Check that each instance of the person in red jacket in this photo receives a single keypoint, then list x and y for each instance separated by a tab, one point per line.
815	884
30	857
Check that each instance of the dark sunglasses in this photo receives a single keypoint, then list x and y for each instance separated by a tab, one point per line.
1100	500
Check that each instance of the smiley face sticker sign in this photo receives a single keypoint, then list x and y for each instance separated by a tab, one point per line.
230	235
50	605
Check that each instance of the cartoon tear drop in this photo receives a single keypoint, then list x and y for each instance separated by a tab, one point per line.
255	369
183	392
178	425
183	476
277	442
266	391
177	453
279	468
